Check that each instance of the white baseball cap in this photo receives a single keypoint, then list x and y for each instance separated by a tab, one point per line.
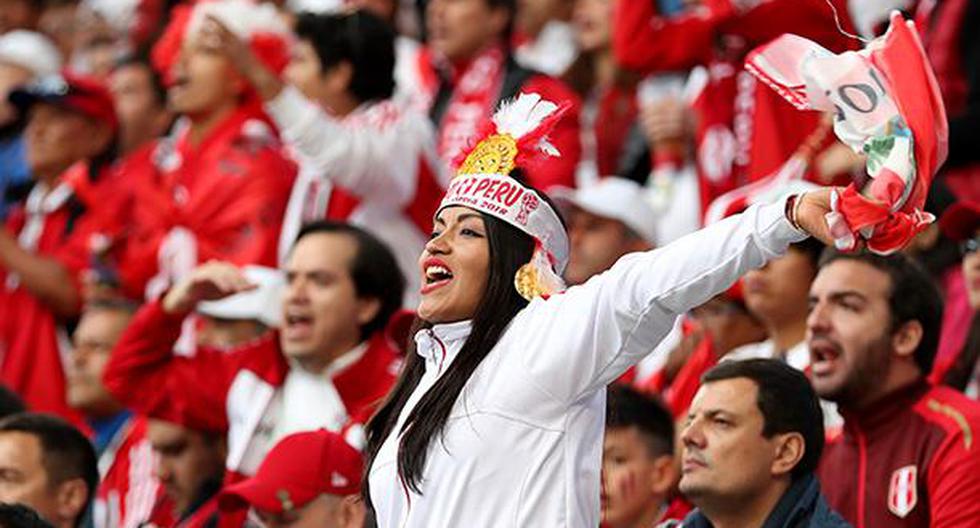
614	198
30	50
261	304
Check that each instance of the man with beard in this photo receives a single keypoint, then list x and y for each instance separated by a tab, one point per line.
908	456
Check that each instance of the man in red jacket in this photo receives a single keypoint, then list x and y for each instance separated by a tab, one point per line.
45	245
217	187
327	367
468	69
908	455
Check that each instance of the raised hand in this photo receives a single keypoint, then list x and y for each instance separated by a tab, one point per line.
222	39
211	281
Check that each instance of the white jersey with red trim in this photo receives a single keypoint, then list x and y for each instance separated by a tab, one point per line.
382	157
523	443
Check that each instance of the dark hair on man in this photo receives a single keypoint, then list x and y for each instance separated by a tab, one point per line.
628	407
786	400
156	81
65	452
20	516
10	402
363	40
812	248
914	296
374	270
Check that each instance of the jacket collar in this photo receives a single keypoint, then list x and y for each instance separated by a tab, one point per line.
799	503
882	413
440	344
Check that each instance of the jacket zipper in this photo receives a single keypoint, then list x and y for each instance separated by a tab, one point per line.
862	475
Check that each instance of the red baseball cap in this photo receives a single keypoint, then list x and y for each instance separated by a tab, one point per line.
79	93
961	220
297	470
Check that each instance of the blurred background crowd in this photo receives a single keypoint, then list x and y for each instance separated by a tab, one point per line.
310	141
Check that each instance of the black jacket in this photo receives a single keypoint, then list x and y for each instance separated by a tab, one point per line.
802	506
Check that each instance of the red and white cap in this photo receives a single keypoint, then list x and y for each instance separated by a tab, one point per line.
300	468
516	137
79	93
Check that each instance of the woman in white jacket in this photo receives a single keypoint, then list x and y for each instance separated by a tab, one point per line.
497	419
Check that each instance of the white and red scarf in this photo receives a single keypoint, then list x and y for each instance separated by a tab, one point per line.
475	89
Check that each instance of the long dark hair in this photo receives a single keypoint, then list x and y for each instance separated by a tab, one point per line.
510	248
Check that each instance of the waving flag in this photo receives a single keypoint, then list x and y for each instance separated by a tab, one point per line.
887	105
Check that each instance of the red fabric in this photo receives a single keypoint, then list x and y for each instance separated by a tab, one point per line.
31	336
144	373
230	192
686	383
202	516
957	315
616	115
129	490
930	428
941	27
744	132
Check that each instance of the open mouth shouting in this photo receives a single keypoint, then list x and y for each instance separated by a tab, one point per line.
824	357
435	274
297	324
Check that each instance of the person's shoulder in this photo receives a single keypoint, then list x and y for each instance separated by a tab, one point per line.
950	408
825	517
956	418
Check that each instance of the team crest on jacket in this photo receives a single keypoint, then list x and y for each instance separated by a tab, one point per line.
902	494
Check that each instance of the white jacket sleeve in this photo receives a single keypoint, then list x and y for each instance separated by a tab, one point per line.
375	162
583	339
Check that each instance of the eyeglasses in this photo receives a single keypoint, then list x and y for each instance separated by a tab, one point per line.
970	245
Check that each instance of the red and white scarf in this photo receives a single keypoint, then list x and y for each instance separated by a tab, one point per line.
475	89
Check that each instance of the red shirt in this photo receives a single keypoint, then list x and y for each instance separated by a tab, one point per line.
33	340
222	199
911	460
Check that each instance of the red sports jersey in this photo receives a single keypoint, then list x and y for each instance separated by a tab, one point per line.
33	340
222	199
911	460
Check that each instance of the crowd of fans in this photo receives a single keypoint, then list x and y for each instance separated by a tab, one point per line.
155	153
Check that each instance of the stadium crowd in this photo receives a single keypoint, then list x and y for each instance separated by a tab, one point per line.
214	313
